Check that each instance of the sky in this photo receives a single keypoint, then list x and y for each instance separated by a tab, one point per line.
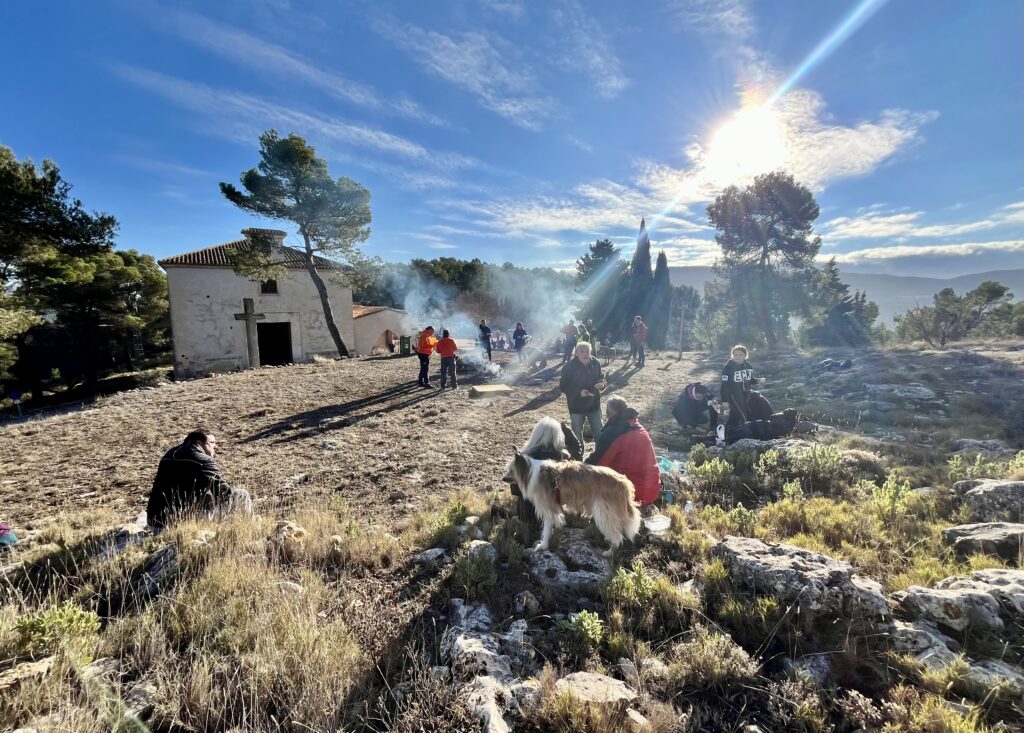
520	131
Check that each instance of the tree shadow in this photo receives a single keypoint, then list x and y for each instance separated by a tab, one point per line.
541	400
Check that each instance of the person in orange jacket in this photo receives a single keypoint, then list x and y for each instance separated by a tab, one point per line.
425	344
446	349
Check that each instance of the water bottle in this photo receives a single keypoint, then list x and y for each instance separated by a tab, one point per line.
688	506
720	435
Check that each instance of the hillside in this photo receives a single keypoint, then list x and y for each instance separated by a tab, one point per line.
389	582
893	293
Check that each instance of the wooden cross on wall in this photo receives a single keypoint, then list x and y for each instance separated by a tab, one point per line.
252	341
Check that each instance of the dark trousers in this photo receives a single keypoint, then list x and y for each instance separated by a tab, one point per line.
487	348
641	350
424	380
448	368
632	349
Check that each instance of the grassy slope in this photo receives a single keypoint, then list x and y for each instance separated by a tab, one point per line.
227	651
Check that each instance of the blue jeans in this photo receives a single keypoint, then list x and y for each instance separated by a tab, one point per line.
448	367
595	424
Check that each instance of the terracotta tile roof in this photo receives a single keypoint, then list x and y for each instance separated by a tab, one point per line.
358	311
217	256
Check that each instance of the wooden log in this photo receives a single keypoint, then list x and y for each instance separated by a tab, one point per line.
485	390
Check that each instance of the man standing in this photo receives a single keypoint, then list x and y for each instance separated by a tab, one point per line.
582	383
640	340
571	333
446	349
188	483
485	338
425	344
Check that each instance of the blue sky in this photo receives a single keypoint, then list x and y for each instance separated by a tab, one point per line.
514	130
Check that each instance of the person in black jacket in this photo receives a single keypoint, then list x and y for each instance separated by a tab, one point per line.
485	338
188	482
737	379
582	382
692	404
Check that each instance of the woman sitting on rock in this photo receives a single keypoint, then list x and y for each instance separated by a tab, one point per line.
626	447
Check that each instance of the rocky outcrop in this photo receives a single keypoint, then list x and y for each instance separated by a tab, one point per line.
900	391
12	679
990	500
985	448
1004	584
287	543
574	563
817	584
953	608
1001	539
596	689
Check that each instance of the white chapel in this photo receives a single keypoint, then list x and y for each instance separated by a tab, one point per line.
218	316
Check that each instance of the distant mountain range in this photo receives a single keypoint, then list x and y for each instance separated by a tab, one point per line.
893	293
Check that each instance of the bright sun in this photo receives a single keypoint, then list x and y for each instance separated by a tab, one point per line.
752	142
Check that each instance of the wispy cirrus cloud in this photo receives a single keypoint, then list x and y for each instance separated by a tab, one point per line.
901	226
723	17
586	48
247	50
963	249
242	117
442	245
166	168
484	66
507	8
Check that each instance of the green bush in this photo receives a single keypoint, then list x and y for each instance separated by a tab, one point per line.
712	479
66	627
633	588
587	627
820	467
768	470
709	660
473	575
890	499
699	455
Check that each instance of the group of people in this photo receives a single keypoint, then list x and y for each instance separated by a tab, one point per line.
487	338
621	442
740	406
446	348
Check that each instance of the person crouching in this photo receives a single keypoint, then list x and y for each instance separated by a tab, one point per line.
626	447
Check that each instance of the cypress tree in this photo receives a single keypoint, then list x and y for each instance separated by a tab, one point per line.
641	279
659	304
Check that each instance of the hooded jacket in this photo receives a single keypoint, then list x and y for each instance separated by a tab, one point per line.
626	447
689	410
186	479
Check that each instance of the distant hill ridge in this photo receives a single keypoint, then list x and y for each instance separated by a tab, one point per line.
893	293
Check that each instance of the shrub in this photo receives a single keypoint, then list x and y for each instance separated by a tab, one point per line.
890	499
632	588
711	479
709	660
699	455
473	575
755	622
587	628
743	519
737	521
820	467
768	470
793	491
61	628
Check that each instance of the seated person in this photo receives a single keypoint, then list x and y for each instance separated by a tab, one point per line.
625	446
691	406
188	483
778	425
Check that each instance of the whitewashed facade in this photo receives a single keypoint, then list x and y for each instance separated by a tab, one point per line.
205	295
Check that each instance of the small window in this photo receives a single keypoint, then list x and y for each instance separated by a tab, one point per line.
268	287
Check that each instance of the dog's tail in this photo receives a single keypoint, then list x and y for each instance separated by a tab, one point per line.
618	518
633	524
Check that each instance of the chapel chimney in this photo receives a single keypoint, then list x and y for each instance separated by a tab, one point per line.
276	235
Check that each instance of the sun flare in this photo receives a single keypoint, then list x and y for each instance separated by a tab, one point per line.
751	142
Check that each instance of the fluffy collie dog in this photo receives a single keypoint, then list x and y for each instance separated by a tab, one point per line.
602	493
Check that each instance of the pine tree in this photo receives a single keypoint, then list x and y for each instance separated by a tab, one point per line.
641	279
660	303
600	274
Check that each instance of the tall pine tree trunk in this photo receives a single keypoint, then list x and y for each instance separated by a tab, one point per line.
321	289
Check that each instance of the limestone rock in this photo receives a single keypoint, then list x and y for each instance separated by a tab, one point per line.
637	722
288	588
596	689
481	696
900	391
104	669
469	531
13	678
527	604
471	616
526	694
434	555
288	541
482	547
921	639
651	668
138	705
1006	585
158	570
954	608
818	584
990	500
816	668
120	540
1002	539
875	406
986	448
988	674
552	567
473	653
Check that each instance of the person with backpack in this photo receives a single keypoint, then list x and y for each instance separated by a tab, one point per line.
425	344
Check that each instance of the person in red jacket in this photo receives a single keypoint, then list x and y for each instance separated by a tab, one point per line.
639	340
625	446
